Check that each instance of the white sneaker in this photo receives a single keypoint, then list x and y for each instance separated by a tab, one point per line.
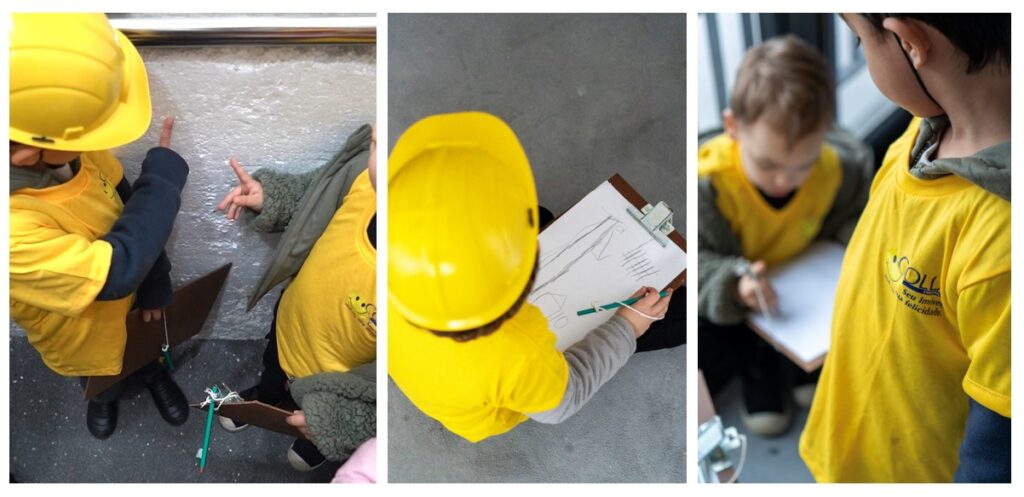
803	395
230	424
303	456
767	423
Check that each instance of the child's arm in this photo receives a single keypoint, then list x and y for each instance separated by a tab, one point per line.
983	317
858	167
276	196
719	251
985	451
283	193
273	196
138	236
155	292
140	233
592	362
601	353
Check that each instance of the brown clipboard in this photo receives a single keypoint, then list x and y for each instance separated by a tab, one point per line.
808	366
257	413
185	316
630	194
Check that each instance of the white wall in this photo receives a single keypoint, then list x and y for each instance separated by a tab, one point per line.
283	107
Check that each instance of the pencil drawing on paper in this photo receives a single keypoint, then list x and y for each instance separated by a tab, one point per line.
638	264
592	240
593	254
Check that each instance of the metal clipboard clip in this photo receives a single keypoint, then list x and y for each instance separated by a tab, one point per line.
656	219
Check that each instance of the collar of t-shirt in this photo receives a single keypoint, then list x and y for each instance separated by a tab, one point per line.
777	202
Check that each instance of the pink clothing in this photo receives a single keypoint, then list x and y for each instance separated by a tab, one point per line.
361	467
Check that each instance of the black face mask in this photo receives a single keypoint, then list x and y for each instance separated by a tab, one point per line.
899	43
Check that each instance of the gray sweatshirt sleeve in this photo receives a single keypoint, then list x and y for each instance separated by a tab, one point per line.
592	362
718	249
857	162
282	194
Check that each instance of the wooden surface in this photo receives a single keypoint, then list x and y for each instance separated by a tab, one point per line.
258	414
185	317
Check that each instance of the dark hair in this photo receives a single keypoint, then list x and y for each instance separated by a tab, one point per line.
788	83
983	38
487	329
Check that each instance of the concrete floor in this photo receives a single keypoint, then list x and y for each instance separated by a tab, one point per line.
50	443
588	96
769	460
632	430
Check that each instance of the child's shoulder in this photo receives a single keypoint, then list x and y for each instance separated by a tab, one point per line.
716	155
106	163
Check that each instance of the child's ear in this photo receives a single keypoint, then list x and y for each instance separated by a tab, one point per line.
915	37
729	123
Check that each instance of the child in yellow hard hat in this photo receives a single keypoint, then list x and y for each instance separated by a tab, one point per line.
326	318
916	386
463	343
777	180
85	244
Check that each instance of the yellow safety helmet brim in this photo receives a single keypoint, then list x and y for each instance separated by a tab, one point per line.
33	99
462	215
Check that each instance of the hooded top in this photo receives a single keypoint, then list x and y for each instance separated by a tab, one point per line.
988	168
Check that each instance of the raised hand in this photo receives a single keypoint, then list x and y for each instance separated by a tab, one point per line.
248	193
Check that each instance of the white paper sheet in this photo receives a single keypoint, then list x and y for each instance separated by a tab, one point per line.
597	253
806	287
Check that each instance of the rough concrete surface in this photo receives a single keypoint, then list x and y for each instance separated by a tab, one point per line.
50	443
588	95
632	430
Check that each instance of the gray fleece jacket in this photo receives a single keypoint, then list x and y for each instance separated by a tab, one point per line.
302	205
719	248
340	409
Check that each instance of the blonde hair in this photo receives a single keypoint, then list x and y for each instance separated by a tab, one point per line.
789	84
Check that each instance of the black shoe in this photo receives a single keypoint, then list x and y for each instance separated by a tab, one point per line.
168	397
304	456
101	418
232	425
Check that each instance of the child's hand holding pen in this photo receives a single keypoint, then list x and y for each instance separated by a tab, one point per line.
650	304
753	288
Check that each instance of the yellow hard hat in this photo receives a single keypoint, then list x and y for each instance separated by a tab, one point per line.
77	84
462	216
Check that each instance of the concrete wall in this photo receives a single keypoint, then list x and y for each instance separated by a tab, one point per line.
283	107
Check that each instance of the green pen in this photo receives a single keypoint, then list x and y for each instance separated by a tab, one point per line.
206	436
613	305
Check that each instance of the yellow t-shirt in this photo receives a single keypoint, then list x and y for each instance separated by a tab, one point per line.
58	267
921	322
766	233
483	387
327	321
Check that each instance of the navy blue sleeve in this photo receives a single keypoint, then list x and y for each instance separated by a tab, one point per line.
156	291
985	451
139	235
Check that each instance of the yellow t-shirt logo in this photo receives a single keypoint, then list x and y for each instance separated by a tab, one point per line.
365	312
107	187
913	287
